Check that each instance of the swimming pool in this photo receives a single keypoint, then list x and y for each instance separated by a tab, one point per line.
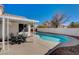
53	37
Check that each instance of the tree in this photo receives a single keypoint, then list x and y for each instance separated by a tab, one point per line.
56	20
74	25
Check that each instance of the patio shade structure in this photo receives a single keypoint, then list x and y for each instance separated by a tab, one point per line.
7	18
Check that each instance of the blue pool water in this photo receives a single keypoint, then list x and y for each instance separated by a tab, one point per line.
53	37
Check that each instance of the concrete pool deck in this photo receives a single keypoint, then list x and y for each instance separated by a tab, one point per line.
72	43
36	46
33	46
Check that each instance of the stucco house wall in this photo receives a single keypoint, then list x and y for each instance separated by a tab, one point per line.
0	30
13	28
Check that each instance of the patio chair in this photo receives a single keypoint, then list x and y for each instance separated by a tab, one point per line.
20	38
13	39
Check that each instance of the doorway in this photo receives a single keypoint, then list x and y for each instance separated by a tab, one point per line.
21	27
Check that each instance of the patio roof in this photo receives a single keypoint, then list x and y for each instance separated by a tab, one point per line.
18	18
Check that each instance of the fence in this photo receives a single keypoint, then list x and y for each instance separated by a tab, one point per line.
67	31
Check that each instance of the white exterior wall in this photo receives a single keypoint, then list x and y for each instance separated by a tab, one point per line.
0	30
13	28
67	31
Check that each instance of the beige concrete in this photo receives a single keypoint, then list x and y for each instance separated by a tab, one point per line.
72	42
33	46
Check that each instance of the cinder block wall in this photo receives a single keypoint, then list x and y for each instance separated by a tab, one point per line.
67	31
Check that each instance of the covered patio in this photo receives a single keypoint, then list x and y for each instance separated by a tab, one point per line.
7	21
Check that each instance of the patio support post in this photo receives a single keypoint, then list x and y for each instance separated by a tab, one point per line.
29	30
8	34
3	34
34	27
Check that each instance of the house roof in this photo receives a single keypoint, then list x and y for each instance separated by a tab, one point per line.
17	18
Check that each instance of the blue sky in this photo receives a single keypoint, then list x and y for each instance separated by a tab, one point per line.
44	12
